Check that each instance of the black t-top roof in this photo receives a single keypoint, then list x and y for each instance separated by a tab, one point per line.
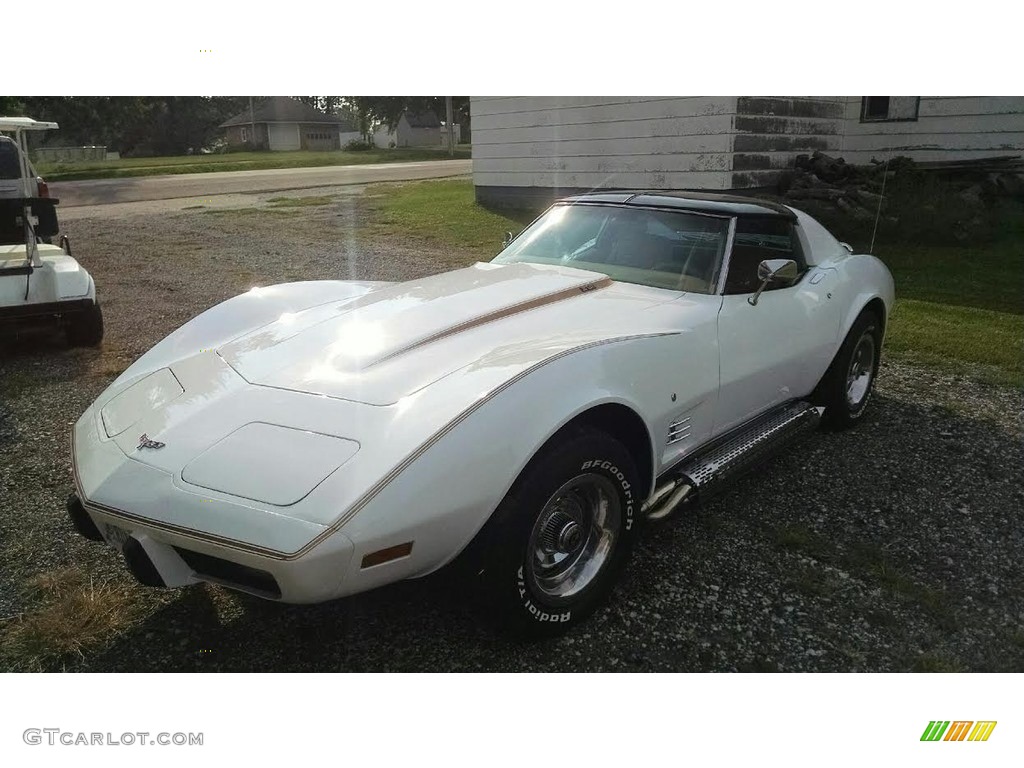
702	202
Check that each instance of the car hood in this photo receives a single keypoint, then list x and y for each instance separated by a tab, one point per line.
252	433
392	342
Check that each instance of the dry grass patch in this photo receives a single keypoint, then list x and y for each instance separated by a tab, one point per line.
300	202
74	612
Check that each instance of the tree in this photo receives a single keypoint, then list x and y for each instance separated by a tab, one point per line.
329	105
167	125
176	125
11	106
387	110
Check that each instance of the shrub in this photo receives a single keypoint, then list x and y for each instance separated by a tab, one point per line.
357	145
246	146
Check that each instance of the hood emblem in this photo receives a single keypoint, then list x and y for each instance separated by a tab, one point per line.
145	442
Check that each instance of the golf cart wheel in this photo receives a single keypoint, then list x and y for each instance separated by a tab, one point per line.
85	329
562	535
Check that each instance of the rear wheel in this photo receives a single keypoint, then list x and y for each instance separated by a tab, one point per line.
85	329
560	538
847	386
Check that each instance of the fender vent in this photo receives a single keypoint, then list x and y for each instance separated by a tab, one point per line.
678	430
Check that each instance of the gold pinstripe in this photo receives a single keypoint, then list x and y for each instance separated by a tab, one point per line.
367	496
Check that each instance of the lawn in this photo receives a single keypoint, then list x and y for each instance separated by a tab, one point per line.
444	212
233	161
959	307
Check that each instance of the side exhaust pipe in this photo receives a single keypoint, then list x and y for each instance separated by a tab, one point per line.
669	497
731	456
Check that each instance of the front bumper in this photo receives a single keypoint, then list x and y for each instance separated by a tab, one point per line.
161	558
173	537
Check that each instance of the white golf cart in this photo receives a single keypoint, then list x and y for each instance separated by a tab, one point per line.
39	282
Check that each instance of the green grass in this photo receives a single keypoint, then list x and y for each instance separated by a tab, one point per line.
986	343
277	206
233	161
961	308
987	277
444	212
252	212
959	295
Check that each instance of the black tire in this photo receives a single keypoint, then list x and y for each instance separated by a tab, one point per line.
514	579
845	406
85	329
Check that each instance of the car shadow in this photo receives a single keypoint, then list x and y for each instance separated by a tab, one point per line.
206	628
24	340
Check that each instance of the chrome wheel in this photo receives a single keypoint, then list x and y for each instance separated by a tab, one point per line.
573	537
862	370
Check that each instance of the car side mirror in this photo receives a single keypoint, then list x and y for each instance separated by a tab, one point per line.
506	240
774	271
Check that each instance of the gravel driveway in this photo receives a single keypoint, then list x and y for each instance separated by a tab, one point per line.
895	546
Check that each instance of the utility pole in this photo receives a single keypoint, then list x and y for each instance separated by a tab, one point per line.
252	123
451	128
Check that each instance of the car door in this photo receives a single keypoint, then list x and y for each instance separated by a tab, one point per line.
777	349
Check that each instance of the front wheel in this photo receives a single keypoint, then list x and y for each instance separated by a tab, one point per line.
561	537
85	329
846	388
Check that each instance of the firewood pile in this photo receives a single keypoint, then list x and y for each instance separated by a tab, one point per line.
857	190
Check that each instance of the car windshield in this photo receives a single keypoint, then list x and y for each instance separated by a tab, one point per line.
663	249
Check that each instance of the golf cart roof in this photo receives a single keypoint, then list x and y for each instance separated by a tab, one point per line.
24	124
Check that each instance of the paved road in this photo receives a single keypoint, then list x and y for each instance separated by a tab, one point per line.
199	185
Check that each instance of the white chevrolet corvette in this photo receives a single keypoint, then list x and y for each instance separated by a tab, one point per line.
626	355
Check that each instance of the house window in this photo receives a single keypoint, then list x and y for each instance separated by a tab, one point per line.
888	108
245	134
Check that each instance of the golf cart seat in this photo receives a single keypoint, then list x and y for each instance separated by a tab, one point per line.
12	229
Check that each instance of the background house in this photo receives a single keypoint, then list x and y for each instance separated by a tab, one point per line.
281	123
422	129
527	150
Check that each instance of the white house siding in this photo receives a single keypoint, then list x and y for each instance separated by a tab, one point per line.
768	132
947	128
530	149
